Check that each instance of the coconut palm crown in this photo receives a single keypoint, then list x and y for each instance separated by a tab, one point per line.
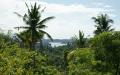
34	24
102	24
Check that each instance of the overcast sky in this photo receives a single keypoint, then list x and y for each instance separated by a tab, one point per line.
71	15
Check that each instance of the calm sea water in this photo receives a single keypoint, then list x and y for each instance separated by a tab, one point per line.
56	44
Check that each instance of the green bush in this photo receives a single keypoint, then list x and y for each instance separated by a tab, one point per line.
18	61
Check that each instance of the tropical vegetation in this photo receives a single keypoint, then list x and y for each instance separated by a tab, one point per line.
97	55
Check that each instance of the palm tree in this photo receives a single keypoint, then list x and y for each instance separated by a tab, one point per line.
34	25
102	24
65	63
80	41
24	39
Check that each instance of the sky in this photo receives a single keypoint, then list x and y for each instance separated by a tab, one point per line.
70	15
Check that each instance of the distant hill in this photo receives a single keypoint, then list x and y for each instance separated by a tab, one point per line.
64	41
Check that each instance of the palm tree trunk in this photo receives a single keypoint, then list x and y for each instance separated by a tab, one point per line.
41	45
30	45
65	63
33	48
21	45
117	69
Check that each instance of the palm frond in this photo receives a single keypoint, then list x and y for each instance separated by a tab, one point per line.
46	20
27	7
18	14
20	37
41	31
21	27
41	26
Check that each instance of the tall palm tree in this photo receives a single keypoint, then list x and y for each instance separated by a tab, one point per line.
34	25
102	23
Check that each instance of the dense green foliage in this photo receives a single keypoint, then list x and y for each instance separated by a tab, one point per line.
107	49
18	61
101	59
80	62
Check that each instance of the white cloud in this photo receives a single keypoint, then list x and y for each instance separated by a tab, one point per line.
69	18
102	5
107	6
56	8
73	8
